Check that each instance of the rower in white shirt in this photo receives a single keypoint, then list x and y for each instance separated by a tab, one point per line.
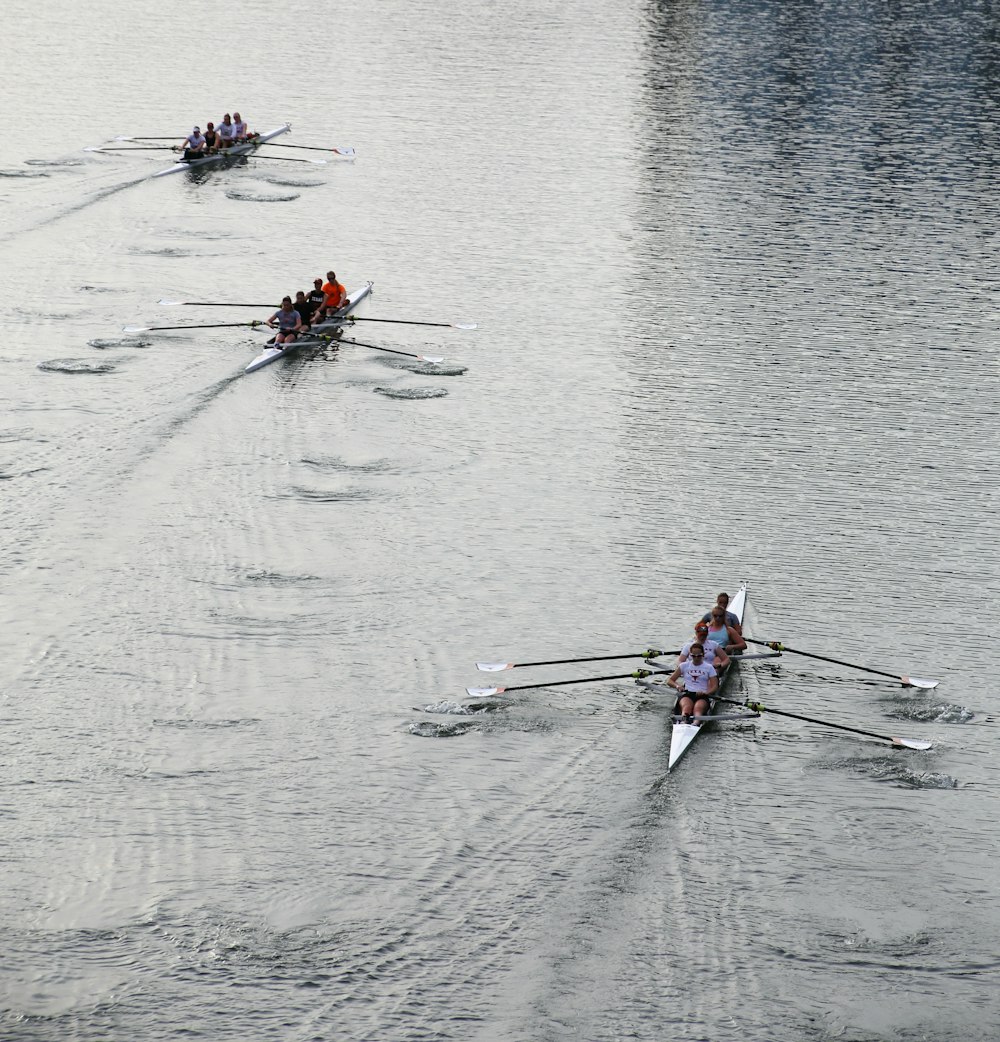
226	131
697	681
242	133
714	653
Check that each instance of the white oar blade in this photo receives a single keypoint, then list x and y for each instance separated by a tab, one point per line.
136	329
429	358
919	682
94	148
466	325
912	743
493	667
485	692
317	162
346	151
170	303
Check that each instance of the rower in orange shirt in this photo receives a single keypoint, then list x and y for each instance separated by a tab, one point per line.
334	297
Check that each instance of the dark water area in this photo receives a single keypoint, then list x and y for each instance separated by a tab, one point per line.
732	268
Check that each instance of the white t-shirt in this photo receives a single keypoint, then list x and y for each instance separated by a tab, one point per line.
711	648
697	678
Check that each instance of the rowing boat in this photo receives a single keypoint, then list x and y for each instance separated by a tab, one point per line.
319	334
225	155
682	734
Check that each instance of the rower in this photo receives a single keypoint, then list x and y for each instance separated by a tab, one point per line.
714	653
696	680
211	138
289	324
732	619
316	295
194	142
334	295
305	307
240	127
719	630
227	132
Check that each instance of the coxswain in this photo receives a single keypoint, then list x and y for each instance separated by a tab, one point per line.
240	127
211	138
731	618
305	307
288	322
714	653
696	680
226	132
194	142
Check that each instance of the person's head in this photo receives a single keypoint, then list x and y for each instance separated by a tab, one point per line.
331	276
718	615
227	118
723	599
701	630
286	302
197	130
211	126
299	296
237	117
318	283
697	651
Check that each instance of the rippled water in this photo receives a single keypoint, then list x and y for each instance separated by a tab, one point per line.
732	268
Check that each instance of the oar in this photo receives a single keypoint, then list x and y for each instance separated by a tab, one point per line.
407	322
128	148
904	743
213	325
348	151
146	137
352	318
390	350
905	681
639	674
498	667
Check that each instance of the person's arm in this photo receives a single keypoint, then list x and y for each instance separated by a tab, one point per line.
721	658
735	639
672	679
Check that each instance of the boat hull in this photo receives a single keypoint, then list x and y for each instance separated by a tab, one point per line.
329	328
682	735
226	155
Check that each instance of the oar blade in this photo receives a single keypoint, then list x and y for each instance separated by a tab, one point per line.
912	743
171	303
466	325
344	151
429	358
484	692
136	329
920	682
493	667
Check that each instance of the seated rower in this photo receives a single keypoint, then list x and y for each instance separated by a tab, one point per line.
226	132
289	324
719	630
714	653
334	297
211	138
697	681
305	307
240	127
317	296
193	143
731	618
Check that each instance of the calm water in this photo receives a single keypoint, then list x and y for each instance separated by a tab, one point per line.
733	266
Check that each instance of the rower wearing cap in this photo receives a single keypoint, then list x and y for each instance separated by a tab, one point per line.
316	296
227	132
194	142
697	681
714	653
